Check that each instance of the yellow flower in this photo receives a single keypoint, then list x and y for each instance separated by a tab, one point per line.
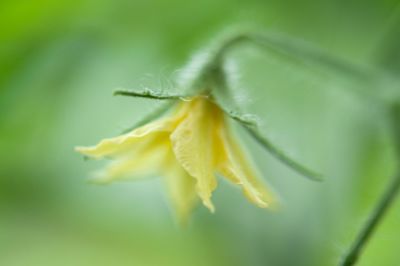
188	148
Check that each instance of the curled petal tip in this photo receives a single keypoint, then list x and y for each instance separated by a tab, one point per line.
209	205
83	150
79	148
263	204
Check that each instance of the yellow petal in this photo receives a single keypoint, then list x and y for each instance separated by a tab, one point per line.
181	187
193	147
146	161
116	146
125	143
234	165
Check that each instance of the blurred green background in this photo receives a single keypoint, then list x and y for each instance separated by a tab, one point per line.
61	60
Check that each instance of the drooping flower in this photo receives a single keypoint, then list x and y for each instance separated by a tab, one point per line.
188	148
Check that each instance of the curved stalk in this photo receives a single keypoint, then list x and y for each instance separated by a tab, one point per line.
387	199
351	257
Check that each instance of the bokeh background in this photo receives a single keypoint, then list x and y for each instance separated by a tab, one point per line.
60	62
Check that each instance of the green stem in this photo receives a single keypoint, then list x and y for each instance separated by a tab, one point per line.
384	203
301	50
373	221
297	50
212	65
